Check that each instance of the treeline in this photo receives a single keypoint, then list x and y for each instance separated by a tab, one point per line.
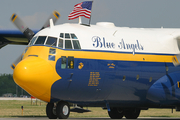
7	85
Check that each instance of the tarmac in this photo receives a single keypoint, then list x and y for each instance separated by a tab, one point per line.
14	98
45	118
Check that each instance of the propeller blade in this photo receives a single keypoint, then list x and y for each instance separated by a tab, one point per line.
28	32
22	26
13	65
54	16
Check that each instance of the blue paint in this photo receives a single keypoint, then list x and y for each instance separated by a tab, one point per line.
13	32
161	90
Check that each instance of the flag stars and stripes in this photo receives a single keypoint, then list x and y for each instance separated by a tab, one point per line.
81	9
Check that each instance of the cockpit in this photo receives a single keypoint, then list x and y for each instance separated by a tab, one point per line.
64	41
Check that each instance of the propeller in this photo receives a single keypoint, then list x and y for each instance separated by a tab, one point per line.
28	33
54	16
13	65
22	26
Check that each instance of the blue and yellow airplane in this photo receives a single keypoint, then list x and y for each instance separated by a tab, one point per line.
124	70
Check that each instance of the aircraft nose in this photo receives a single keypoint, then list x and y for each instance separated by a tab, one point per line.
34	75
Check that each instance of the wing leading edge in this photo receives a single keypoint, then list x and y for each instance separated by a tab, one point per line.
13	37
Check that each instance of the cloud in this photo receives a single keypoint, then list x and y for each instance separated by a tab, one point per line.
36	20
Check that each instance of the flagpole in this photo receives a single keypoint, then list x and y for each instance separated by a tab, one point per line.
80	21
91	14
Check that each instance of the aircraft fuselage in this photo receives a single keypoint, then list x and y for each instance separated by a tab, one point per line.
103	66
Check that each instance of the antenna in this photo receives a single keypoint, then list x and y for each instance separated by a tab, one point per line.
51	23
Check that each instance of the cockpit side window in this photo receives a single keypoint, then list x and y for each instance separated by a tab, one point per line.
69	41
32	40
60	43
51	41
40	40
68	44
67	35
62	35
76	44
73	36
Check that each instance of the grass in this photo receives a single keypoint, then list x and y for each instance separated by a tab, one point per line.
12	108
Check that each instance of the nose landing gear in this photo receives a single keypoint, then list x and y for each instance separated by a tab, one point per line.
51	111
60	111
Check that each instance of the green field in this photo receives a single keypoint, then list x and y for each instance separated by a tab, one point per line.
12	108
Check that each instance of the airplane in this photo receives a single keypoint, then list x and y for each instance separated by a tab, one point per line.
121	69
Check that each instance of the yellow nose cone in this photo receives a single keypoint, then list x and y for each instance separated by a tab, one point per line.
35	75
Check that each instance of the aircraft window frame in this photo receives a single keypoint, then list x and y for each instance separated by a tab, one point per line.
35	43
76	44
67	36
52	51
73	36
54	42
61	35
70	62
63	62
32	41
70	46
60	44
51	57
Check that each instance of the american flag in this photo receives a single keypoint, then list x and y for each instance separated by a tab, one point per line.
81	9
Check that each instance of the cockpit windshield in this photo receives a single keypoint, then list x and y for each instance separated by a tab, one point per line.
40	40
51	41
32	40
69	40
65	41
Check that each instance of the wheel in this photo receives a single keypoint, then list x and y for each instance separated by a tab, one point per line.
50	111
115	113
132	113
62	110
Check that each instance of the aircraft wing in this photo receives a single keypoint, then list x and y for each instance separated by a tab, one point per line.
13	37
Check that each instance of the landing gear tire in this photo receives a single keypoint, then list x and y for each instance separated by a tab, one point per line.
50	111
62	110
115	113
132	113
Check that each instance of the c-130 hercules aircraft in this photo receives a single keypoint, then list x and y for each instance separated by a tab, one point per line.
124	70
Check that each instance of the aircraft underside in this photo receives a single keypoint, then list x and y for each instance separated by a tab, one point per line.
123	88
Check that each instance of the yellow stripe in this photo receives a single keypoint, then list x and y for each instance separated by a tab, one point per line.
37	50
56	12
14	17
118	56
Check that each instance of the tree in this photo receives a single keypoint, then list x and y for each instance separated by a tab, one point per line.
7	85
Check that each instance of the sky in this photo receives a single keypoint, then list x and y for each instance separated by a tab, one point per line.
123	13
